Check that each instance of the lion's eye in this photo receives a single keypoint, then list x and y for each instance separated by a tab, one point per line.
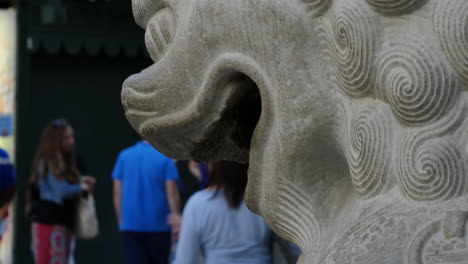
159	34
143	10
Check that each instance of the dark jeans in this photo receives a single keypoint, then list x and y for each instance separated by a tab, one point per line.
147	247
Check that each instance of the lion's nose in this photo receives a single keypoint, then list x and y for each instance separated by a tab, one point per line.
143	10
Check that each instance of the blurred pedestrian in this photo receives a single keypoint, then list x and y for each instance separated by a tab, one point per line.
7	179
145	198
56	185
217	225
7	188
201	171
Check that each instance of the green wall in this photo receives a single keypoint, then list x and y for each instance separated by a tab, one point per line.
86	91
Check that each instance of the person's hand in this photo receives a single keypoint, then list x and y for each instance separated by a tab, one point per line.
90	182
175	232
175	221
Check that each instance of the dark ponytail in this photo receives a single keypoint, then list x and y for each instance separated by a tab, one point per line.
232	178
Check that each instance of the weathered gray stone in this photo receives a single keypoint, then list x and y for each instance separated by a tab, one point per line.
359	153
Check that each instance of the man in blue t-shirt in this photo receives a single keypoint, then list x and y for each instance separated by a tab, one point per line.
145	197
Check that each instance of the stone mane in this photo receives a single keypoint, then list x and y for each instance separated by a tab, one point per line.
409	90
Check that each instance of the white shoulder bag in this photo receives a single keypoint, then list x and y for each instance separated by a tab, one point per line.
87	226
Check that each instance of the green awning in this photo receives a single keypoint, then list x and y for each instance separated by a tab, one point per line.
91	45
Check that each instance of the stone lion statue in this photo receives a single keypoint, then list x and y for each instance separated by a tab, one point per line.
352	114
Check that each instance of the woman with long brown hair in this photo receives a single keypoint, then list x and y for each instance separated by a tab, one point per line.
217	225
56	186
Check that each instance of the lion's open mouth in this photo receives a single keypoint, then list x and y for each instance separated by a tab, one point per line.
216	124
237	121
245	112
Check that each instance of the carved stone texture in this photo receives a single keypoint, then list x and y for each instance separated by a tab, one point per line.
451	27
353	115
368	155
395	7
316	7
419	88
352	41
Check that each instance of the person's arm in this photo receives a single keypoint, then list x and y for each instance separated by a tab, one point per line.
117	177
62	186
117	195
173	197
194	168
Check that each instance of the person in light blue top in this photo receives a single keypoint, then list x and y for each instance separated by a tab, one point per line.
218	227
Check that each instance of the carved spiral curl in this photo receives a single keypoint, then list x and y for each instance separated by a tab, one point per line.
417	85
395	7
316	7
432	170
370	139
451	26
353	44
